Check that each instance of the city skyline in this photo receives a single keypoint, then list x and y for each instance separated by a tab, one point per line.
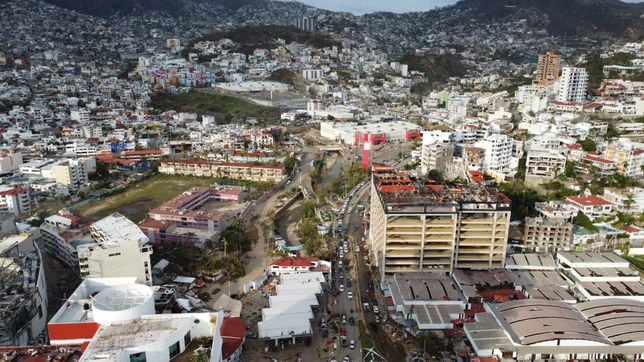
358	7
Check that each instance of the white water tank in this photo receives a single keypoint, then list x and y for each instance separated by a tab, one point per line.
123	302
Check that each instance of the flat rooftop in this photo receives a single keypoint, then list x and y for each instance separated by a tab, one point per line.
118	228
614	289
592	258
424	287
530	261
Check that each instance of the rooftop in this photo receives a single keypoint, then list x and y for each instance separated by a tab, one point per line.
402	192
588	200
116	228
533	321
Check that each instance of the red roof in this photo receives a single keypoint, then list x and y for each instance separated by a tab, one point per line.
597	159
153	224
13	192
574	146
631	229
295	262
232	333
141	152
588	200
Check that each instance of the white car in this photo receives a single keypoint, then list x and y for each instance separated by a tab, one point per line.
341	288
358	248
350	295
352	344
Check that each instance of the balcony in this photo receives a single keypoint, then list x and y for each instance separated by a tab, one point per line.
474	234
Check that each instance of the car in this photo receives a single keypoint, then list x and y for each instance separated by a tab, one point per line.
352	321
366	258
377	317
342	287
350	295
250	334
216	290
346	359
376	309
352	344
357	248
344	318
349	284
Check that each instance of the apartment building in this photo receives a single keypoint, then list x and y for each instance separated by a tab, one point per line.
596	166
436	151
548	235
10	161
15	200
235	170
120	249
421	225
313	74
61	234
498	152
573	85
548	68
592	206
628	157
556	209
71	173
543	165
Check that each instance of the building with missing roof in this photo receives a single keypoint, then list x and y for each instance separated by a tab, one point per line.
418	224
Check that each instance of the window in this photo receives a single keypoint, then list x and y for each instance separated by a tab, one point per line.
174	350
186	339
40	311
138	357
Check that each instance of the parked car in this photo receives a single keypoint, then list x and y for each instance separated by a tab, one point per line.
216	290
350	295
352	344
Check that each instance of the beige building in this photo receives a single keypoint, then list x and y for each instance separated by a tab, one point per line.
547	234
548	68
71	173
543	166
240	171
419	225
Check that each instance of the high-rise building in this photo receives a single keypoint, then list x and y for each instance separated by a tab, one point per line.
573	85
548	68
120	249
421	225
15	200
71	173
306	23
498	152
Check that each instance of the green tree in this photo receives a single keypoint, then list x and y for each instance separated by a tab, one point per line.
585	222
588	145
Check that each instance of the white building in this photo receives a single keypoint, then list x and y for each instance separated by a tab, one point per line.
115	317
15	200
120	250
392	131
498	152
542	165
313	74
573	85
10	161
436	151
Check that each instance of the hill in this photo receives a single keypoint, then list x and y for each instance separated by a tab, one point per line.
437	67
104	8
560	17
249	38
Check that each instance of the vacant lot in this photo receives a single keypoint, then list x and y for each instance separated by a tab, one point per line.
135	202
230	108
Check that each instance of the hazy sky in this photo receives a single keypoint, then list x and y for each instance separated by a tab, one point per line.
369	6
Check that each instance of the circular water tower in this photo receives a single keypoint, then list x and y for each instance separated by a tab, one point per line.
123	302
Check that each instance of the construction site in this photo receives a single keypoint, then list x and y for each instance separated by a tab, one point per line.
420	224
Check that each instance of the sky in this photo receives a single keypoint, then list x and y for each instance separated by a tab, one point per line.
369	6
